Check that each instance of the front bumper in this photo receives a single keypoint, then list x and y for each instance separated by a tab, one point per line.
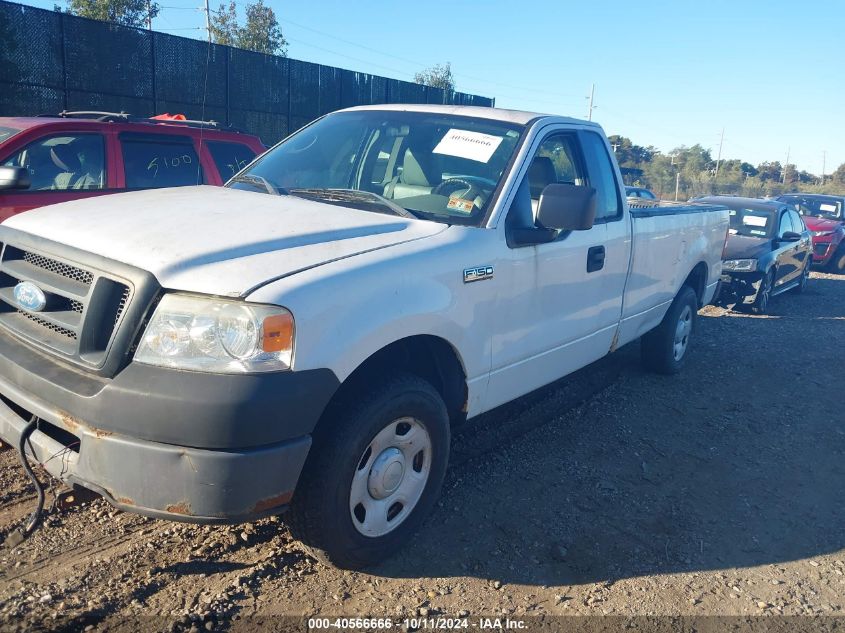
739	287
823	251
173	445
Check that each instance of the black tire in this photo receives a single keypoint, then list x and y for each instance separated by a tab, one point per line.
658	347
805	275
320	515
837	262
764	293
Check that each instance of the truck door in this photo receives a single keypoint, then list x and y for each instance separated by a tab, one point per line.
786	251
560	302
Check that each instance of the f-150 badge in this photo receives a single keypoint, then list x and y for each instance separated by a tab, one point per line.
478	273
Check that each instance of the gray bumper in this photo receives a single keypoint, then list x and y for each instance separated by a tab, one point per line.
178	445
161	480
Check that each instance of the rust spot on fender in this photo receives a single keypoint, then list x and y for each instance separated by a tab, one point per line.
126	501
100	433
272	502
183	508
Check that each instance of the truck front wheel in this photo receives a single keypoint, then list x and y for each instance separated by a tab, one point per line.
373	474
665	348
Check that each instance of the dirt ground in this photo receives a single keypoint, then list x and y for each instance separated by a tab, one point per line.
613	492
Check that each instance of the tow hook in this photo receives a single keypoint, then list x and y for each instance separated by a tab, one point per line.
16	537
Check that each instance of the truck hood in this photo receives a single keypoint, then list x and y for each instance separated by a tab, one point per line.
215	240
747	247
820	224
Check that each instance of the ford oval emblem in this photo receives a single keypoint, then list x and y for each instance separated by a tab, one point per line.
30	297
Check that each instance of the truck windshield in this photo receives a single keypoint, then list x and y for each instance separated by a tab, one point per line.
752	223
433	166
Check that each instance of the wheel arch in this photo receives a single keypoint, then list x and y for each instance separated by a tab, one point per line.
430	357
697	280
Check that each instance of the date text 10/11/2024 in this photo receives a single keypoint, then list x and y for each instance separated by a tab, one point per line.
415	624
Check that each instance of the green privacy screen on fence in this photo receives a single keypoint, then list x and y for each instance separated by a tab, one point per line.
52	61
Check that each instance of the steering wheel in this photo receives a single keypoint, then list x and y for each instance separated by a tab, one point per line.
451	185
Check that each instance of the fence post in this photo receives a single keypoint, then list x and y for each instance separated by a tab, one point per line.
63	57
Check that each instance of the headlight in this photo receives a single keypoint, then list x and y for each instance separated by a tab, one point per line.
740	265
217	335
820	233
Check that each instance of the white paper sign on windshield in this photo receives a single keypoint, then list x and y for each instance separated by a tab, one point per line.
754	220
827	207
470	145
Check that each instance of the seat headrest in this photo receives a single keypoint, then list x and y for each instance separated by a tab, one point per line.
65	158
417	169
541	173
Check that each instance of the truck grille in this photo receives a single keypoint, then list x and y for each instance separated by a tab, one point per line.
83	309
821	249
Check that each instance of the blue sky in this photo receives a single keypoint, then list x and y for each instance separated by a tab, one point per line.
771	73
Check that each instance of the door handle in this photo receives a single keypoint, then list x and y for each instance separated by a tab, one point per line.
595	258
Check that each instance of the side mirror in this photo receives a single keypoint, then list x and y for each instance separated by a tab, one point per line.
14	178
790	236
567	207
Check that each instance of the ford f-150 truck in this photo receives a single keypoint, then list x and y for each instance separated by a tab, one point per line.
304	338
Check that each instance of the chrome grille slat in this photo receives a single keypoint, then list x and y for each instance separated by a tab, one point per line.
59	268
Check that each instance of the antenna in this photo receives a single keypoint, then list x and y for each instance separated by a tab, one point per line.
591	107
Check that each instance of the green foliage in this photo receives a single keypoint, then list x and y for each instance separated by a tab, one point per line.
260	33
695	170
127	12
438	76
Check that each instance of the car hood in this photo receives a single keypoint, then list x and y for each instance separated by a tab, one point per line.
216	240
746	247
821	224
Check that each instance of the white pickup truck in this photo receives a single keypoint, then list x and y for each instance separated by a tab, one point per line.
304	338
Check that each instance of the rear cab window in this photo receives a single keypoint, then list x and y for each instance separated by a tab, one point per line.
229	157
602	177
151	161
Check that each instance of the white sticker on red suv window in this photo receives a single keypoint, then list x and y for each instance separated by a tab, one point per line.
470	145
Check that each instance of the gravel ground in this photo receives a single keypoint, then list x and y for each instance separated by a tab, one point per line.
612	492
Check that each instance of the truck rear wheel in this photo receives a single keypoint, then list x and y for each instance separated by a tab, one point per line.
837	262
373	474
664	350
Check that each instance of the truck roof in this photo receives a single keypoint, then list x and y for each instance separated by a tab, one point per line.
521	117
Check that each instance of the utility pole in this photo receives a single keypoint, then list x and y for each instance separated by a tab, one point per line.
719	155
591	106
824	159
677	184
208	20
786	164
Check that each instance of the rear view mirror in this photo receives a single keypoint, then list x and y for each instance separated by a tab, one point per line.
14	178
790	236
567	207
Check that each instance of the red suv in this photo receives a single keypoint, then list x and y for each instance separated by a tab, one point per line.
50	159
823	215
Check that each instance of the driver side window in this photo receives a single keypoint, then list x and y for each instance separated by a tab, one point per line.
63	162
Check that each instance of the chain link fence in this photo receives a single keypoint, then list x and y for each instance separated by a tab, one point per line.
52	61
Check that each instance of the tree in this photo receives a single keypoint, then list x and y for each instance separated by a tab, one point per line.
838	176
438	76
224	24
127	12
261	33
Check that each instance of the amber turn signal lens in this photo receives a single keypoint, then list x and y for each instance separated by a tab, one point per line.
277	333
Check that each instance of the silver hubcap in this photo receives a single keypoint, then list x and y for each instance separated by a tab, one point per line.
682	332
390	477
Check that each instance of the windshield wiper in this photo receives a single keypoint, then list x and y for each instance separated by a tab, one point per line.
351	196
259	181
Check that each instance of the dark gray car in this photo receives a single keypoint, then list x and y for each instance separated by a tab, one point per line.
768	251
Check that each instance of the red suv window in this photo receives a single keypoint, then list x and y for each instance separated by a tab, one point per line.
159	160
229	158
63	162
